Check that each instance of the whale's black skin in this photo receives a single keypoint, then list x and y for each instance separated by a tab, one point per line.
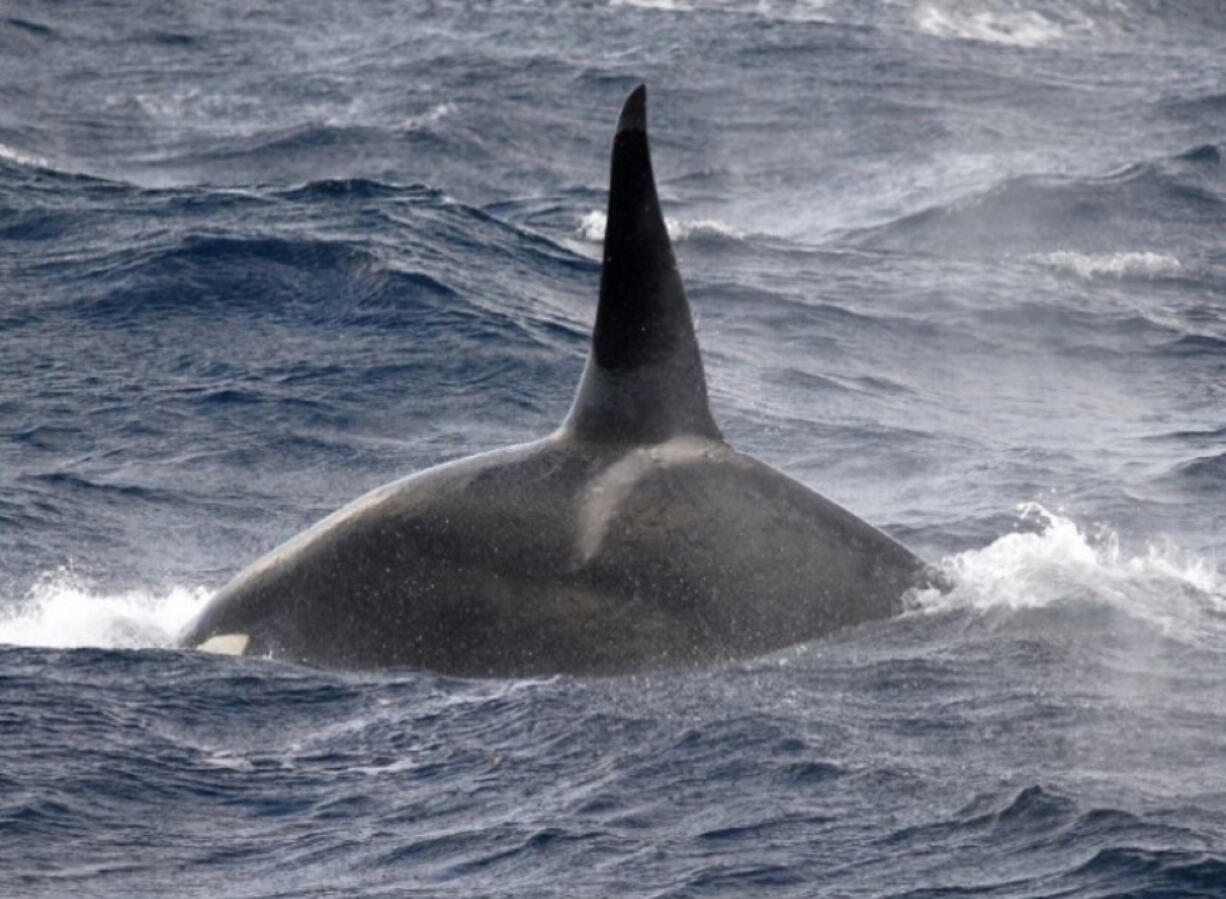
632	538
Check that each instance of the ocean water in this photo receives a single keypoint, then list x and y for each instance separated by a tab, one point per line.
958	264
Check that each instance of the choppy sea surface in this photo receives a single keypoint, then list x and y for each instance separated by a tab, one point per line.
959	265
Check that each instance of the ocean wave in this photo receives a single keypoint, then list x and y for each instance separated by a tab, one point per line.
1035	813
306	137
432	116
33	28
771	10
1204	473
1067	833
1029	24
1171	872
1159	204
667	5
1205	154
23	158
202	272
1182	595
1145	264
993	23
592	227
244	113
358	188
1195	344
1206	437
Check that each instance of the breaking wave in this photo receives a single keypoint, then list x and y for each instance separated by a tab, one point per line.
1051	560
1112	265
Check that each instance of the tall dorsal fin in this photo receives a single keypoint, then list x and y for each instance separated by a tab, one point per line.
644	381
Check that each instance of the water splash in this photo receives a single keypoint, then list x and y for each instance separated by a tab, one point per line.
64	610
1182	595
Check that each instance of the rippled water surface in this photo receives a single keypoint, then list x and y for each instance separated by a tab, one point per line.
956	264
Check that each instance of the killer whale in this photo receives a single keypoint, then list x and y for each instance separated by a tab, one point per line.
632	538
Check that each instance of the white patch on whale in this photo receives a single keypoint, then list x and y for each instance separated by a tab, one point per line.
226	644
603	498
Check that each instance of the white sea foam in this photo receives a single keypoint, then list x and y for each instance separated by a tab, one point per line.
223	758
21	158
63	610
1061	562
994	23
1112	265
434	115
592	227
671	5
776	10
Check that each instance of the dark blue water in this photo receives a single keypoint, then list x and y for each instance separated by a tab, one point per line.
957	264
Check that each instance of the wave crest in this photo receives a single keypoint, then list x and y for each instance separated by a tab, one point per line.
22	158
1060	562
592	227
1146	264
981	22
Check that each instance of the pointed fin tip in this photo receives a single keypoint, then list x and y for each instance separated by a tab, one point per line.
644	380
634	111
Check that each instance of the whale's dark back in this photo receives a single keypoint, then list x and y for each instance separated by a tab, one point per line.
503	565
633	538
